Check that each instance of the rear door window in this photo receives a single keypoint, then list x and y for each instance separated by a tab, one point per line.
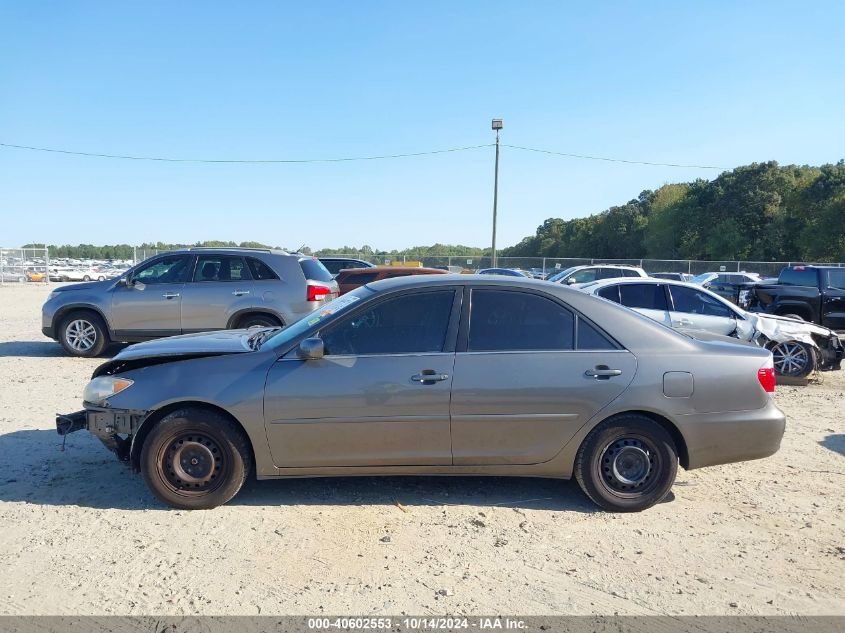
836	279
505	321
313	269
220	268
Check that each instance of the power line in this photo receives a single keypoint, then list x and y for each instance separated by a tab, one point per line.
611	160
268	161
348	158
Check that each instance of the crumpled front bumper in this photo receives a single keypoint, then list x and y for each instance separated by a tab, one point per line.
107	424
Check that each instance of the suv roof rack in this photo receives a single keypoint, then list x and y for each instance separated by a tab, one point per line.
235	248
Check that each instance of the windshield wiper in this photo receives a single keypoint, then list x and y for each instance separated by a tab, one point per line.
255	340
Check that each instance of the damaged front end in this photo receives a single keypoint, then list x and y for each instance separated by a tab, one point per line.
780	333
113	427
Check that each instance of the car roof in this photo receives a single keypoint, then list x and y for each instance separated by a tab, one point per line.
234	250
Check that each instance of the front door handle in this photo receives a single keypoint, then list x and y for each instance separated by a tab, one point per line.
602	372
682	322
429	377
170	295
240	293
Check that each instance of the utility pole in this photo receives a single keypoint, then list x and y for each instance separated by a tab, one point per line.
497	125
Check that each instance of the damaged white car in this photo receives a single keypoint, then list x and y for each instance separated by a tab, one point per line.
798	348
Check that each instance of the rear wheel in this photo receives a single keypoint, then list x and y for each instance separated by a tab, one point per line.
258	320
793	359
83	334
195	459
627	463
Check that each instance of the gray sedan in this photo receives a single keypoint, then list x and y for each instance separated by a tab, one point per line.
449	375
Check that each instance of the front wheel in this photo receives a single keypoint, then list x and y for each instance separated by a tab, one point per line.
83	334
793	359
257	320
627	463
195	459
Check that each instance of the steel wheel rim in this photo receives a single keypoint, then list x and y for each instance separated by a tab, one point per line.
790	358
193	464
81	335
629	466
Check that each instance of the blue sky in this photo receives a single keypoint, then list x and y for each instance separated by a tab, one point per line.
713	83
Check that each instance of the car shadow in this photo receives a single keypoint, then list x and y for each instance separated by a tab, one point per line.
31	349
47	349
36	470
835	443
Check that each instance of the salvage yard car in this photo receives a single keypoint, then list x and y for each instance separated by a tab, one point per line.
798	348
810	293
191	290
436	375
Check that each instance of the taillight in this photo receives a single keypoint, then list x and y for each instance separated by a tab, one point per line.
316	293
766	376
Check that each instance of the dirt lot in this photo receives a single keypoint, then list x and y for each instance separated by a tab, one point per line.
81	535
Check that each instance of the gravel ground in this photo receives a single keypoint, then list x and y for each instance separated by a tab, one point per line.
81	534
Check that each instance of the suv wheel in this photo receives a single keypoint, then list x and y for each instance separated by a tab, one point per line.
257	320
627	463
83	334
195	459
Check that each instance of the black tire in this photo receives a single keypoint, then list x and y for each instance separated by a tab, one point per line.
86	278
646	472
195	459
793	358
82	333
257	320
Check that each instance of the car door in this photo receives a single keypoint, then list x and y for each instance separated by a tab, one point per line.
221	286
529	373
647	299
692	308
150	303
833	302
379	396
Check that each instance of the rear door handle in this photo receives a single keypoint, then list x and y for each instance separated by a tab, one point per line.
240	293
170	295
428	376
602	372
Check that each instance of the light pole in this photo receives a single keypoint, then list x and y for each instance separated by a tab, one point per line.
497	125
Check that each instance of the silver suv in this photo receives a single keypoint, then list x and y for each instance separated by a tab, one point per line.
187	291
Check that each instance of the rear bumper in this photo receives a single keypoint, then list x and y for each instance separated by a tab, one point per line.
732	436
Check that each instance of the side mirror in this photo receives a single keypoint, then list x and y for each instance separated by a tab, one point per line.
311	349
570	281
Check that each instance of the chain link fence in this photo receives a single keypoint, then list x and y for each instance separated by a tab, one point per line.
22	265
546	265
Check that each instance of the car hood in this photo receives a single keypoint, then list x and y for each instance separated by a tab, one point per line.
84	285
177	348
782	329
203	343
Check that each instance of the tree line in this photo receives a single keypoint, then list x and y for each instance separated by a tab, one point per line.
758	212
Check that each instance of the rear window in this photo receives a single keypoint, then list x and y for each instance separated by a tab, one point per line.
260	271
313	269
798	276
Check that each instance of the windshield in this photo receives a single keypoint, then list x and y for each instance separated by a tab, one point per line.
312	320
562	274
